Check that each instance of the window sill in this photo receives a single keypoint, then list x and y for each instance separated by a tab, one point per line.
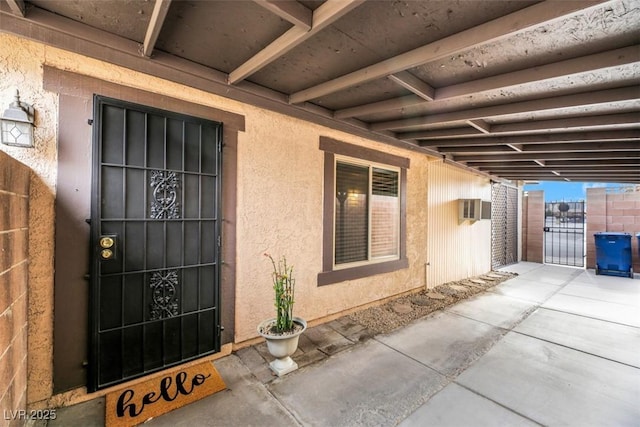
336	276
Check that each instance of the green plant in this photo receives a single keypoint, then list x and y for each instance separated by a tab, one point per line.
284	287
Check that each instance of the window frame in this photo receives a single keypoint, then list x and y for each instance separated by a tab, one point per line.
336	150
370	166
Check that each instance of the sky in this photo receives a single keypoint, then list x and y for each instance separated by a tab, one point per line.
566	191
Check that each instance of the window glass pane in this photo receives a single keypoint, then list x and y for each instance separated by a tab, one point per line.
385	213
351	230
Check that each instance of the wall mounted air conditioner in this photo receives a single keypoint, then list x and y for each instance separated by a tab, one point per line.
485	213
473	210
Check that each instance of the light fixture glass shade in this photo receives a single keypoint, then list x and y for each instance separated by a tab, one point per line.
17	133
16	124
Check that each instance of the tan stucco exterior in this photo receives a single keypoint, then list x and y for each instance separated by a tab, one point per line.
279	205
21	67
279	211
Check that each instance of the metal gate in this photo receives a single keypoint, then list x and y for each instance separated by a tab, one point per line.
564	237
155	236
504	225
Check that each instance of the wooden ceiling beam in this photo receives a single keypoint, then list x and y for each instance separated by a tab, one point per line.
573	174
158	16
413	84
479	35
569	175
484	149
480	125
17	7
631	163
586	176
592	146
560	167
629	93
619	172
584	123
565	155
562	172
291	11
380	106
545	138
617	57
629	120
541	175
433	135
323	16
584	64
545	148
604	178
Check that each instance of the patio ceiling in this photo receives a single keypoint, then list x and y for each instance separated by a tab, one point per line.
518	90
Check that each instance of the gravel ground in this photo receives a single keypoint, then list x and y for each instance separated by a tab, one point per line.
403	310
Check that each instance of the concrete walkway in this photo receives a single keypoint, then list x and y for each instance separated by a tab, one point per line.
553	346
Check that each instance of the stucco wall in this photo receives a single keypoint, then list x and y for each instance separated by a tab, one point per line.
279	205
280	212
21	68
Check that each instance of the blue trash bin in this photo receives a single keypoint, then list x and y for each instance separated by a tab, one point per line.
638	237
613	254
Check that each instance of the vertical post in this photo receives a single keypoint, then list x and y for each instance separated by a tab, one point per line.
596	220
535	225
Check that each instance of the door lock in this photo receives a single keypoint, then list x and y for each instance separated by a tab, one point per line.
108	247
106	242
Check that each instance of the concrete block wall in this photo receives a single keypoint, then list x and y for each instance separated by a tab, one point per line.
14	221
524	232
613	212
533	217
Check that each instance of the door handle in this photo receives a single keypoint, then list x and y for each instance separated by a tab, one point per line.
108	247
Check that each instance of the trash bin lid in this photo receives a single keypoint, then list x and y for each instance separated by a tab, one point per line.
612	233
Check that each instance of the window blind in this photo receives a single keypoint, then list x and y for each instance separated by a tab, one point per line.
351	225
367	222
385	213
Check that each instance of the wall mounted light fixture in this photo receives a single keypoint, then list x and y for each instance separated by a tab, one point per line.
16	124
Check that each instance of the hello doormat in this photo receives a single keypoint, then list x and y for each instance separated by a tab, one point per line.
134	405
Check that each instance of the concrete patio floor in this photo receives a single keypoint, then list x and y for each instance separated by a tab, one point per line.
553	346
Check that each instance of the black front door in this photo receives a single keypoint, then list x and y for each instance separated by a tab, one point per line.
155	236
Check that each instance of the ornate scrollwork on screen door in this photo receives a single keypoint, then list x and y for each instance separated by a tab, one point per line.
164	294
164	204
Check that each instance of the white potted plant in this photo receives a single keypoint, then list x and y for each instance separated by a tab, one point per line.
283	331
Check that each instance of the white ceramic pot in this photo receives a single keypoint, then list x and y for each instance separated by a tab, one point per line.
282	347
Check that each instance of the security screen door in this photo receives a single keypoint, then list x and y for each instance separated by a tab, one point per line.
564	231
155	236
504	225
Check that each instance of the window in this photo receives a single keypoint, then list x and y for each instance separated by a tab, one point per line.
367	213
364	212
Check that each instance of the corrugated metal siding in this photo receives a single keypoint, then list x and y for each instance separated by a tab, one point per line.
455	251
